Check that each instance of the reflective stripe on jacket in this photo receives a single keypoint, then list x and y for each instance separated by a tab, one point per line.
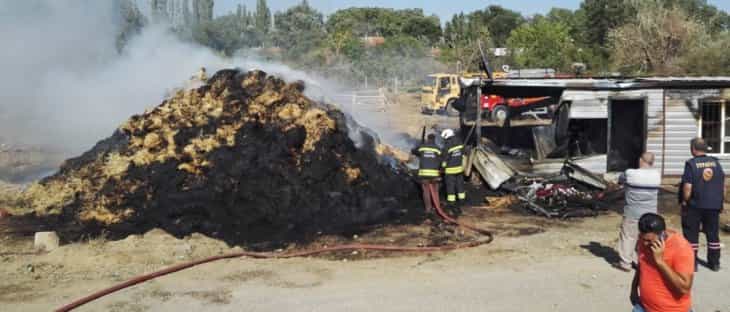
453	156
429	157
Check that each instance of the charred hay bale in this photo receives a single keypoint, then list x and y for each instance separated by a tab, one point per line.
244	154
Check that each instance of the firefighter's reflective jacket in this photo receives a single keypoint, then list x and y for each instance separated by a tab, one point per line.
429	156
453	156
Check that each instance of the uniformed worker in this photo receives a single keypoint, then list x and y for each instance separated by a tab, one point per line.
702	192
453	168
429	157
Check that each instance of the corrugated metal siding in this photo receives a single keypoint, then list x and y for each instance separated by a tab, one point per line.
595	164
655	125
682	113
682	125
587	104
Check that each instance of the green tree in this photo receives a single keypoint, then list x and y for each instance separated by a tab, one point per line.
131	22
461	37
499	21
221	34
491	26
263	17
384	22
339	43
568	18
603	15
365	21
403	57
565	16
414	23
300	31
656	41
714	20
542	44
585	52
710	57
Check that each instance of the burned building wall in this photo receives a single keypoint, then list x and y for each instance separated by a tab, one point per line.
682	124
668	132
589	105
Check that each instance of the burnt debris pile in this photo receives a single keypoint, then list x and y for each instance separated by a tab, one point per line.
245	157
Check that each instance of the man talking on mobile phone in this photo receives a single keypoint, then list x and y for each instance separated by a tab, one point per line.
663	281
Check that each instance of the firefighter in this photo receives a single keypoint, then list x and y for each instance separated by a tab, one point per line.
429	156
453	163
702	191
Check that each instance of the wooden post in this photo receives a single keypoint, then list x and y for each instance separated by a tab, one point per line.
478	121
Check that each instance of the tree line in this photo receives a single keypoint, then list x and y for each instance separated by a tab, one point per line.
631	37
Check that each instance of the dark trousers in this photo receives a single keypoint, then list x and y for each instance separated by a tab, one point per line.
709	219
427	186
454	187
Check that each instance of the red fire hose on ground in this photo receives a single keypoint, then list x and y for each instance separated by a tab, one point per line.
488	237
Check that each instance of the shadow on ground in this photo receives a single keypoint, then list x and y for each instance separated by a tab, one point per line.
607	253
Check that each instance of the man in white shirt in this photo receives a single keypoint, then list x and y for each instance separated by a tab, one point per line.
642	193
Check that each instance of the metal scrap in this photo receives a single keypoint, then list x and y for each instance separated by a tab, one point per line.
490	166
578	173
572	192
544	138
557	199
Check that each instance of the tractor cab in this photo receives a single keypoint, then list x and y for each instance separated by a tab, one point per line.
439	92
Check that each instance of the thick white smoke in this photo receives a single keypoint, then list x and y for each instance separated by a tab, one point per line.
63	86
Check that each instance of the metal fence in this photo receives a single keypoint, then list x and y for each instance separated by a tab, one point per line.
368	106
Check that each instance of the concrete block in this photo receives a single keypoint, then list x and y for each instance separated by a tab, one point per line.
46	241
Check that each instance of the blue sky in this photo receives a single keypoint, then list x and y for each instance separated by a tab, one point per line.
443	8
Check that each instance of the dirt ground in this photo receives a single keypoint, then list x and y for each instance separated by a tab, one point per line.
534	264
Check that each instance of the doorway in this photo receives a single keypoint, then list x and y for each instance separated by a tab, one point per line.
627	133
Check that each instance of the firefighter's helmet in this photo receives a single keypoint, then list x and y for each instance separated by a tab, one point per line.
446	134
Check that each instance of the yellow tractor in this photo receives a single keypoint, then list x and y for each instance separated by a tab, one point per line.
440	92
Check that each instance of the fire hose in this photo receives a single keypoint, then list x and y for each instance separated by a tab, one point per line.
488	237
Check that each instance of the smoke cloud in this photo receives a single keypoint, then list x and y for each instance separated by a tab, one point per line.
63	85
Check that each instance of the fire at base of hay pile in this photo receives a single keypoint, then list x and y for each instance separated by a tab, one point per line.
245	157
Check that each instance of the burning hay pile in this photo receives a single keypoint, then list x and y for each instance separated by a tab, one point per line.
244	157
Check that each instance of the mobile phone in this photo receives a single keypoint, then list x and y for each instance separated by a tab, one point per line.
663	236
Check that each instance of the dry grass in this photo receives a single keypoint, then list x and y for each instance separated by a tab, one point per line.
11	199
317	123
352	174
115	165
387	150
51	197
